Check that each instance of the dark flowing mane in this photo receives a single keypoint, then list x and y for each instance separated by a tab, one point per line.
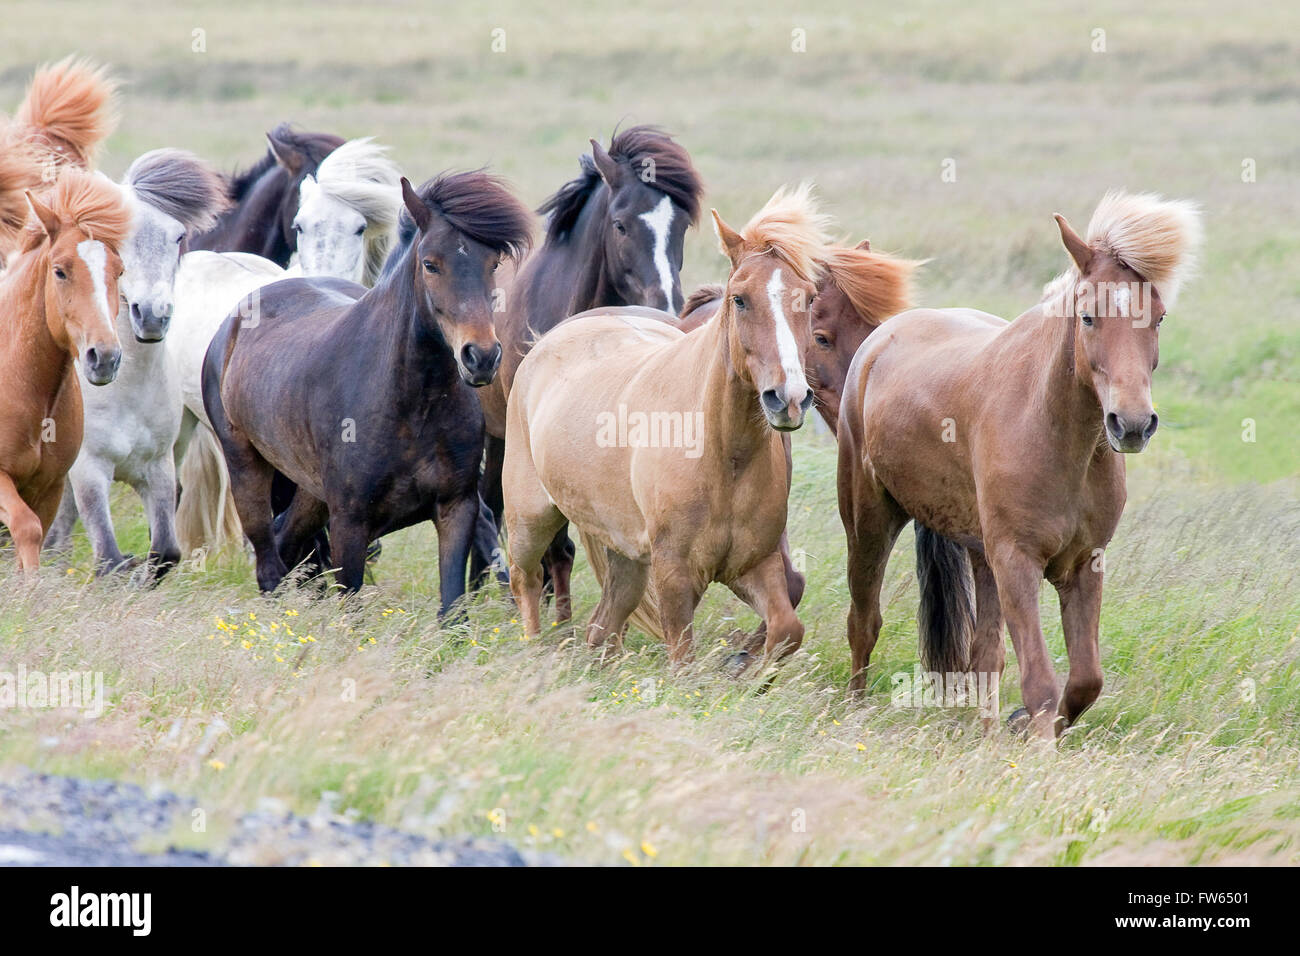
639	148
179	184
477	204
315	146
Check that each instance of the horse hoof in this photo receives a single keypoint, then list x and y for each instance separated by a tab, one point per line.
373	551
735	664
1018	722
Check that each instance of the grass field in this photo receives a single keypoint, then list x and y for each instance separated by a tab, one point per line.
1192	755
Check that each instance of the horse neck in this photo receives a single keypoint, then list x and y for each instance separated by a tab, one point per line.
575	267
1047	333
37	367
417	355
736	432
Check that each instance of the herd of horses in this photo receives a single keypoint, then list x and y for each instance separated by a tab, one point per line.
327	353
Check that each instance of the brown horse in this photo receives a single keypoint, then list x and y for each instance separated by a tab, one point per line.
1004	441
858	290
69	109
59	298
699	495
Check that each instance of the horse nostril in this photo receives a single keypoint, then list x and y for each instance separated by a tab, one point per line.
772	401
1114	426
135	312
494	357
1152	425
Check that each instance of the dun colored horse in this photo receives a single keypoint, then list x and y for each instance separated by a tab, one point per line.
704	497
1005	443
614	237
364	399
58	298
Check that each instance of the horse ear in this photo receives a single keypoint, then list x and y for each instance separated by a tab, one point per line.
285	154
730	239
49	221
415	205
1079	250
605	165
865	245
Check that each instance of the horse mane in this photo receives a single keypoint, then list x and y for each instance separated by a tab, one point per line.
478	204
315	146
1155	237
90	202
69	109
702	296
790	227
179	184
877	284
19	172
638	147
360	175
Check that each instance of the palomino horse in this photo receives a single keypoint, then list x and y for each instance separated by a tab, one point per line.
58	298
381	437
346	225
614	237
1005	443
68	110
265	197
700	496
131	424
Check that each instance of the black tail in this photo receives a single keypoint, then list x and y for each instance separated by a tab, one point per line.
946	620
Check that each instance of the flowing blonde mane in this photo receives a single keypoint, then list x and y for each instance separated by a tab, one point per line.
70	108
19	172
791	228
360	175
1155	237
877	284
92	203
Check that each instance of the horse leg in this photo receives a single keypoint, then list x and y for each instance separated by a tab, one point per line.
297	528
622	590
349	540
494	454
91	484
678	597
59	537
456	521
24	526
158	491
988	653
872	525
765	588
529	534
251	476
1080	596
485	556
559	560
1018	577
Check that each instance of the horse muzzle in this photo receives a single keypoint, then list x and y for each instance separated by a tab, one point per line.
478	366
149	324
100	365
783	411
1129	434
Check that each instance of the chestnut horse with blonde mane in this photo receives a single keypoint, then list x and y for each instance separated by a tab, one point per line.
58	300
662	519
1005	443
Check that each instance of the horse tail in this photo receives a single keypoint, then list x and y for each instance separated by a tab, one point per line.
205	516
646	616
946	620
69	110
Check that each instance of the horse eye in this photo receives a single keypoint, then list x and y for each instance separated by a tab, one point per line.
297	228
1160	321
622	229
430	268
496	265
822	340
738	301
59	273
1087	319
360	230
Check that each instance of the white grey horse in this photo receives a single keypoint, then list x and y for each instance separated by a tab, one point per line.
131	424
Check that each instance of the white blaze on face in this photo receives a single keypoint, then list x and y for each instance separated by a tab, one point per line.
95	256
660	221
791	361
1121	299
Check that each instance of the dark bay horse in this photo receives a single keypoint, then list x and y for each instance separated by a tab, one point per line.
614	237
365	399
264	197
1005	443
